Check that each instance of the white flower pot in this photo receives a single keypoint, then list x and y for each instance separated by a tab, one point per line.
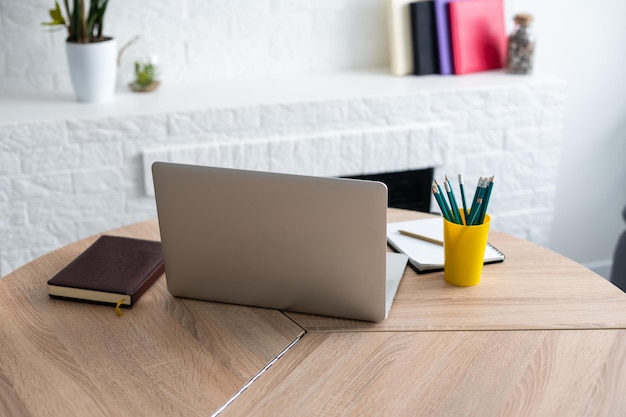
93	69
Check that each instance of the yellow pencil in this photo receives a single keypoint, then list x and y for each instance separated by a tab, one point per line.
420	237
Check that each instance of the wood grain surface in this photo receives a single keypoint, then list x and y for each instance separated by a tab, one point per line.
164	357
534	288
549	373
540	336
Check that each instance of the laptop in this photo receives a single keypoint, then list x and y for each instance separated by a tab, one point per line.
288	242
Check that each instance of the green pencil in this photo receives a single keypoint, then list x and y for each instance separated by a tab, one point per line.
475	213
463	197
480	192
480	181
442	204
483	210
453	203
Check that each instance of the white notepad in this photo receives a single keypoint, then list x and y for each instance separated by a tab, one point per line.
425	256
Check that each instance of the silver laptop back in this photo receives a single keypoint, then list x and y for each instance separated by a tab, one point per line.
296	243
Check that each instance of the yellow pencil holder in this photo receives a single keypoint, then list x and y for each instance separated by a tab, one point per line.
464	252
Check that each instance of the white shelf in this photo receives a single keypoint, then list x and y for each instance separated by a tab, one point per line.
243	92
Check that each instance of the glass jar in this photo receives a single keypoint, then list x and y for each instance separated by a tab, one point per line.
138	66
521	46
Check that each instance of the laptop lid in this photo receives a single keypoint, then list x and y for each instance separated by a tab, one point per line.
289	242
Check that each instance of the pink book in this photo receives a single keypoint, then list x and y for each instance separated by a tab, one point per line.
478	36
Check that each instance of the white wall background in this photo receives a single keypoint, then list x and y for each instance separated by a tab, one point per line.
585	43
204	39
582	42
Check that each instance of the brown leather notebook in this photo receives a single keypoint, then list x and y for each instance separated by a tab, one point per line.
113	270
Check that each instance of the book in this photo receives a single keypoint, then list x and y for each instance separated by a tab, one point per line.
443	36
399	26
477	35
424	38
113	270
427	256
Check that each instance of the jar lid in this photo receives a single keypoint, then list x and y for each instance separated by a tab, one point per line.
523	19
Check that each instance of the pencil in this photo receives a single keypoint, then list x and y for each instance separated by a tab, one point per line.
420	237
475	213
480	181
463	197
483	210
453	203
478	195
442	204
441	200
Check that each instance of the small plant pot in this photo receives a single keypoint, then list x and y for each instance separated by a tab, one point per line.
144	88
93	70
145	74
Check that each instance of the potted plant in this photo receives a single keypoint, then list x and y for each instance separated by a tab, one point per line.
91	55
145	71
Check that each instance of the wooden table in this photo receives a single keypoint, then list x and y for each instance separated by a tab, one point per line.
534	288
164	357
540	336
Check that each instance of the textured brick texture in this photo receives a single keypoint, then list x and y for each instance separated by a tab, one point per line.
66	179
200	40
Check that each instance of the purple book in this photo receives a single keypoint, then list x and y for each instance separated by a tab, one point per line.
443	36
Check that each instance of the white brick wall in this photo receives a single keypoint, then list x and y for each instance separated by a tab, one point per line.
201	40
335	153
68	177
